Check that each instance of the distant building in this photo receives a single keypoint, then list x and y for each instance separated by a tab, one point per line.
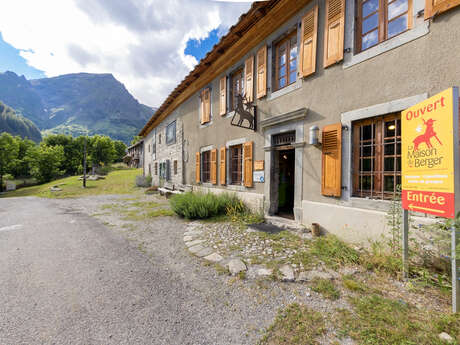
329	80
135	155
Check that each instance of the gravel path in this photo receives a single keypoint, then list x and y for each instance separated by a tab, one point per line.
71	280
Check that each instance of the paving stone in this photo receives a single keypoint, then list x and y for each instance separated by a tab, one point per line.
193	243
188	238
214	257
287	272
310	275
236	266
195	249
204	252
193	233
446	337
264	272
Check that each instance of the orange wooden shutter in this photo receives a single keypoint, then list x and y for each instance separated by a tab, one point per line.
223	166
309	39
214	166
207	103
248	153
332	160
434	7
262	72
197	167
334	31
249	79
203	108
223	95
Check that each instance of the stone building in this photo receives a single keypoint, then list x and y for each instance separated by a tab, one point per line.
340	71
135	155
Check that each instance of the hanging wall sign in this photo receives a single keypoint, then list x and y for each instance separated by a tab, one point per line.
245	114
429	144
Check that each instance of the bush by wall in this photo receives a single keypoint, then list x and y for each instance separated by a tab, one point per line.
200	205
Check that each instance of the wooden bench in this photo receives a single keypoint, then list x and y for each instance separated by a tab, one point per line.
168	189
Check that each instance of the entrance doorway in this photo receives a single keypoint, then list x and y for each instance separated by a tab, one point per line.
286	171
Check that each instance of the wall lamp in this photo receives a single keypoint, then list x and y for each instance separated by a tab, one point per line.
314	136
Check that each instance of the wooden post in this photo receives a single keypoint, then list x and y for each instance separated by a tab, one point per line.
455	282
84	165
405	243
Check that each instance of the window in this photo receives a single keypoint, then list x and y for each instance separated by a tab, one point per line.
379	20
206	163
175	167
286	61
237	87
149	147
377	156
150	169
156	168
171	133
236	164
159	138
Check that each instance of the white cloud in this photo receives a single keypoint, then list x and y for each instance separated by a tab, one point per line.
141	42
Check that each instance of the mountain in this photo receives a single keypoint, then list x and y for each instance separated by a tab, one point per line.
74	103
17	124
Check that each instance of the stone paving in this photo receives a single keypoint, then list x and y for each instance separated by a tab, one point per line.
240	249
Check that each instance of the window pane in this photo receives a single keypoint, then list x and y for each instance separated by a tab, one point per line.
369	40
292	77
389	164
367	151
397	26
282	58
293	53
398	128
293	65
366	164
390	149
369	7
367	132
282	82
396	8
365	182
370	23
390	129
398	148
398	164
388	183
282	71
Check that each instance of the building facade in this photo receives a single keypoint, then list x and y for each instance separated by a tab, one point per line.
135	155
328	80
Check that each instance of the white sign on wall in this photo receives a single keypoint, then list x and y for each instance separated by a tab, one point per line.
259	176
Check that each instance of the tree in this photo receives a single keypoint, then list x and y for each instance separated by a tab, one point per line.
136	139
21	167
8	155
46	162
102	150
120	150
73	151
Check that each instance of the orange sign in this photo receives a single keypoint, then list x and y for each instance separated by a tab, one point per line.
259	165
428	154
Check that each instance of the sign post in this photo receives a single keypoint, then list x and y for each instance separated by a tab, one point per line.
430	165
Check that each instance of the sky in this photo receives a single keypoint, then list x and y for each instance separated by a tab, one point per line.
148	45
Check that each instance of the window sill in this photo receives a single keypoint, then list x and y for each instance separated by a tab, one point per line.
207	124
406	37
285	90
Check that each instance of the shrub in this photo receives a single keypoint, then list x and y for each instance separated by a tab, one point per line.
200	205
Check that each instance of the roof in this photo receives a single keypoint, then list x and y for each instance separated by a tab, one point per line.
136	144
258	10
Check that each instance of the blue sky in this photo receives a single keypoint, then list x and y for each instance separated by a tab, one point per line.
10	60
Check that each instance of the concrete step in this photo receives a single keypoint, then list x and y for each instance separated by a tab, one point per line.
284	223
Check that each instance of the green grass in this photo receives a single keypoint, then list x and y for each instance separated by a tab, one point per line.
334	252
326	288
376	320
353	285
203	205
295	325
117	182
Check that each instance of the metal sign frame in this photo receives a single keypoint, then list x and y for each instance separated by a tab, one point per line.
243	109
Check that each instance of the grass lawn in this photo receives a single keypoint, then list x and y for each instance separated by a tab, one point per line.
116	182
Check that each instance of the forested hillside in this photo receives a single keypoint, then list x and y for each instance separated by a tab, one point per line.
17	125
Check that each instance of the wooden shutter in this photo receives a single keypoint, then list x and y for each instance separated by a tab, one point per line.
262	72
214	166
309	40
223	166
197	167
332	160
334	31
223	95
249	79
434	7
248	153
205	106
